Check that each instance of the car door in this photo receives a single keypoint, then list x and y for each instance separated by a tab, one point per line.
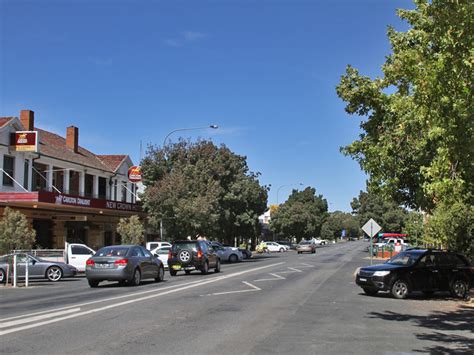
210	252
151	265
447	268
424	274
78	256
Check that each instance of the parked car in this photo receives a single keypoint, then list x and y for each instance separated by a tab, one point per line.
37	268
153	245
124	263
73	254
290	245
318	241
227	253
189	255
423	270
162	254
306	246
274	246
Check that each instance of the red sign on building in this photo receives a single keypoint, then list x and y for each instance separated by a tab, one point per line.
134	174
24	141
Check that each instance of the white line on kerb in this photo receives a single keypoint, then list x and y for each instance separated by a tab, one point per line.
36	318
79	314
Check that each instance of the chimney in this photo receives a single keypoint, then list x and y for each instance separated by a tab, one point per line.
72	138
27	119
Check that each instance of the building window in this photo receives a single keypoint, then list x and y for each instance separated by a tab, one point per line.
58	178
115	190
39	177
74	182
124	192
8	168
89	185
26	174
102	189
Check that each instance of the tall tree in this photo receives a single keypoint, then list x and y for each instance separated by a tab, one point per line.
418	128
15	233
301	216
338	221
387	214
200	188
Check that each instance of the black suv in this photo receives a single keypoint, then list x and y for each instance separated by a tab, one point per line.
189	255
423	270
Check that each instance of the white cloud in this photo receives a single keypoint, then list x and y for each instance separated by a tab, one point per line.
192	36
183	38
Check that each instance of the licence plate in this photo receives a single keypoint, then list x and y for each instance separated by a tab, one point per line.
363	280
103	266
176	267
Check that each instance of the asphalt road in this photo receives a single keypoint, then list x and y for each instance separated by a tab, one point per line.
282	303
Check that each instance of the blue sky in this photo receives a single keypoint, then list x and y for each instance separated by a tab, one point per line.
127	72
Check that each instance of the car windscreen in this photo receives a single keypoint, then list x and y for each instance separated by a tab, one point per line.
112	251
404	258
182	246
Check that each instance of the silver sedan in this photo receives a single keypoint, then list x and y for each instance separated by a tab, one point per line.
124	263
37	268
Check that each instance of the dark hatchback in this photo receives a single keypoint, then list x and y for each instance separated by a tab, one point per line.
422	270
189	255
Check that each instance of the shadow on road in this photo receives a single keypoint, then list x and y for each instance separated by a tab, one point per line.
437	324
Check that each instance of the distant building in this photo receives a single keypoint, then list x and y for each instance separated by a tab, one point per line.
264	221
67	192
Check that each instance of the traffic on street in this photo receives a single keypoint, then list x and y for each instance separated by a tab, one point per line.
270	303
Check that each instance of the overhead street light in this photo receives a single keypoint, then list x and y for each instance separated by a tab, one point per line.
278	190
213	126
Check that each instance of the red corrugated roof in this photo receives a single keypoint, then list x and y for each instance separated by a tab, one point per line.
5	120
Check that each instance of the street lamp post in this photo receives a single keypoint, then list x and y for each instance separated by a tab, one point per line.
213	126
278	190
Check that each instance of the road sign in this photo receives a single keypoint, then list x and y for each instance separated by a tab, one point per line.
371	228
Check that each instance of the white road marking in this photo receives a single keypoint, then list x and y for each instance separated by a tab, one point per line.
254	288
96	310
37	318
276	277
290	272
307	265
297	270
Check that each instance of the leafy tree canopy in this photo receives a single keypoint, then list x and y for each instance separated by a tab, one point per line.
417	134
388	215
131	230
199	188
15	232
301	216
337	222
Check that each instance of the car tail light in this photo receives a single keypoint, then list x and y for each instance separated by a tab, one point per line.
199	254
90	262
121	262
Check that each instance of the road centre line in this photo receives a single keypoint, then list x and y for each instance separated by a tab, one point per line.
79	314
33	319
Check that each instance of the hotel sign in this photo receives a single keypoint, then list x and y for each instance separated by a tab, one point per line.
79	201
24	141
135	174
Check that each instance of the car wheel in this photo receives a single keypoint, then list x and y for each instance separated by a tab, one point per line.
400	289
136	278
3	278
233	258
218	266
93	283
173	272
161	274
205	268
459	288
54	273
282	250
370	291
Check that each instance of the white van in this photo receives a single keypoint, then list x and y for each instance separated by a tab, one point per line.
155	244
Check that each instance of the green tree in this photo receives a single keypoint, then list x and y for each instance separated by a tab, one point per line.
301	216
203	189
417	140
338	221
387	214
131	230
15	232
414	227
